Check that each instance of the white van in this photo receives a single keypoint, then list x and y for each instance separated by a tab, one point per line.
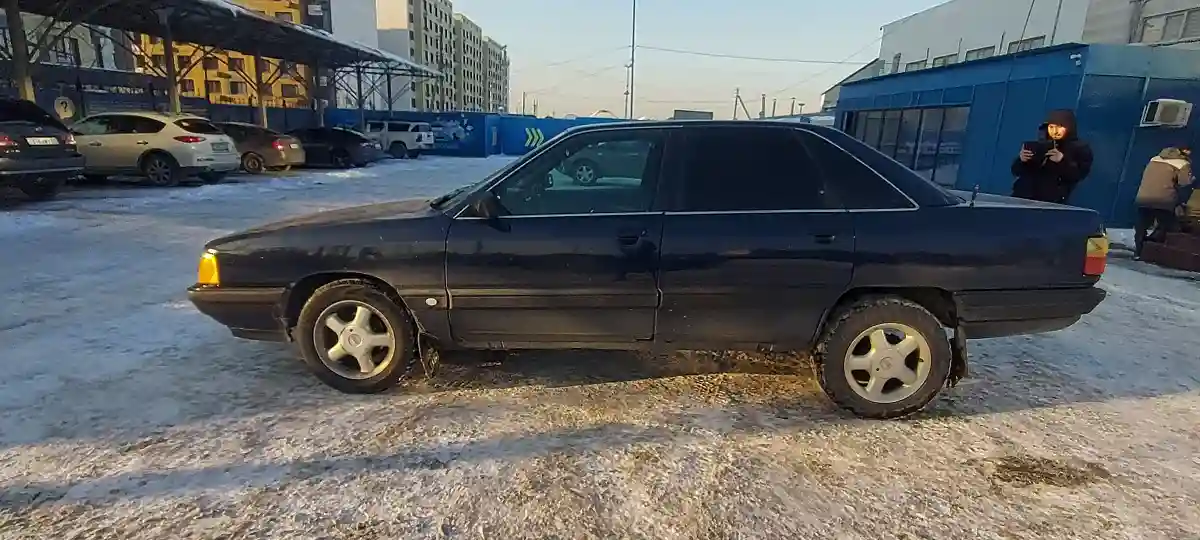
401	139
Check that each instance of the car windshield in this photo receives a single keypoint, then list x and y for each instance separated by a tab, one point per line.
351	132
25	111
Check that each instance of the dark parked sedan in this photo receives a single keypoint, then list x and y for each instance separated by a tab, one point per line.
37	152
730	235
337	147
263	149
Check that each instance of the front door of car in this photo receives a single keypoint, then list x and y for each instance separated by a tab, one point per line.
754	247
91	135
563	263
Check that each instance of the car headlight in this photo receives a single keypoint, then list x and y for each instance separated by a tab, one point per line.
208	273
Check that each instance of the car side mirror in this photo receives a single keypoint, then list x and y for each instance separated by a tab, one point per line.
488	207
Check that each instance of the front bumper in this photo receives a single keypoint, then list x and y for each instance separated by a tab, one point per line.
990	314
249	312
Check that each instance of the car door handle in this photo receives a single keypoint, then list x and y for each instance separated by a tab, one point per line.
631	238
824	238
143	142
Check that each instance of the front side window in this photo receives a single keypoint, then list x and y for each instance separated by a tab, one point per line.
590	173
101	125
734	169
375	127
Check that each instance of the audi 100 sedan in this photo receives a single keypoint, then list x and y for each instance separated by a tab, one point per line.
726	235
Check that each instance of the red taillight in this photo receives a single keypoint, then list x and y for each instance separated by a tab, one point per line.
1096	258
6	141
190	139
278	145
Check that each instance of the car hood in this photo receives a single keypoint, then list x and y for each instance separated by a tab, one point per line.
409	208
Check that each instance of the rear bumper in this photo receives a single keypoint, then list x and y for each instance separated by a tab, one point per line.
249	312
284	158
990	314
24	171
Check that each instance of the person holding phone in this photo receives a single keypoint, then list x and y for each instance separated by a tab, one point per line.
1049	168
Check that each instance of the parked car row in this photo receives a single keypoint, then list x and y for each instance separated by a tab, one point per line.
38	153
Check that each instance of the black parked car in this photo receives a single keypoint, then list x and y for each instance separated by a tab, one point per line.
37	152
337	147
735	235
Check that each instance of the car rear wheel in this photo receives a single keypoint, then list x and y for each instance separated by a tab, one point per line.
354	337
883	357
585	173
43	190
399	150
161	170
253	163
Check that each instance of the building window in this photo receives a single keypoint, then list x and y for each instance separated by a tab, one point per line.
210	63
237	88
945	60
237	64
929	141
979	54
1027	44
289	90
159	61
212	87
1171	27
913	66
896	63
285	16
187	86
183	62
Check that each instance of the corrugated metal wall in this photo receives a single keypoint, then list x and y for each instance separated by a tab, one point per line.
1009	97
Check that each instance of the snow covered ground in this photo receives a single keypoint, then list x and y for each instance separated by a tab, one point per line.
128	415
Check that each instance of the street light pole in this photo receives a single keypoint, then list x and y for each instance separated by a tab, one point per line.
632	56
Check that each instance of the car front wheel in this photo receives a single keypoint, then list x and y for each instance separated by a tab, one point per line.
884	357
355	338
161	169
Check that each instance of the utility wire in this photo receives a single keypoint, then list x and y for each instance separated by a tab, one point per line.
740	57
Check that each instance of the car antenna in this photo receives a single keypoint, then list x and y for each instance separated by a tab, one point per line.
974	195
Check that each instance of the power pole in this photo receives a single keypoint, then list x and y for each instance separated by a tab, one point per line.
737	96
523	95
632	56
774	101
762	110
793	106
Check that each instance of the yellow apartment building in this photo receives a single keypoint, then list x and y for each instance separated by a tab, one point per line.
228	76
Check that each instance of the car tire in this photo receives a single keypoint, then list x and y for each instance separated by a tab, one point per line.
340	159
161	169
253	163
399	150
414	154
213	177
864	356
585	172
342	300
42	191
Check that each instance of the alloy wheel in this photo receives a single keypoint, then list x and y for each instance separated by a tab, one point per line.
354	340
888	363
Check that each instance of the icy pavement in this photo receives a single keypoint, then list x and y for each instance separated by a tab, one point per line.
128	415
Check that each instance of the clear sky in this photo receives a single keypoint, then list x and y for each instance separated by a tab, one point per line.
569	55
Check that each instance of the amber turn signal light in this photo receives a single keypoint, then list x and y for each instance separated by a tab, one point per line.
208	273
1097	256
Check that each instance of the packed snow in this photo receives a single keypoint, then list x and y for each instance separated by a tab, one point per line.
129	415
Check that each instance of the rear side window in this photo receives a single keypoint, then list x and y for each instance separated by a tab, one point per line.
730	169
375	127
25	111
195	125
855	185
421	128
398	127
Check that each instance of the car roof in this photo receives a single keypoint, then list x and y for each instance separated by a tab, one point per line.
162	117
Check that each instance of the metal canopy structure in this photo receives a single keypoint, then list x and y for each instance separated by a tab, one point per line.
215	23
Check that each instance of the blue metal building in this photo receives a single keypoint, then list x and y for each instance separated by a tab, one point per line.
963	124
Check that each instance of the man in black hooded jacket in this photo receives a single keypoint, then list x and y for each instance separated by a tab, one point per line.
1052	177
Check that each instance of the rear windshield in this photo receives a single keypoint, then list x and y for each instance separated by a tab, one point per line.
349	133
421	128
193	125
24	111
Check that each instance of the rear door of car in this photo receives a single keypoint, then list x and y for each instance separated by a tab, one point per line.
316	144
566	264
755	248
28	128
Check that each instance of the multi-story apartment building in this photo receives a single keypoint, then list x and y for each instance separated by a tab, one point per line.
228	76
474	67
468	64
1172	23
495	76
432	33
79	47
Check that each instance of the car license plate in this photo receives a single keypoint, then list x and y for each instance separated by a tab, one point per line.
41	141
294	145
220	147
